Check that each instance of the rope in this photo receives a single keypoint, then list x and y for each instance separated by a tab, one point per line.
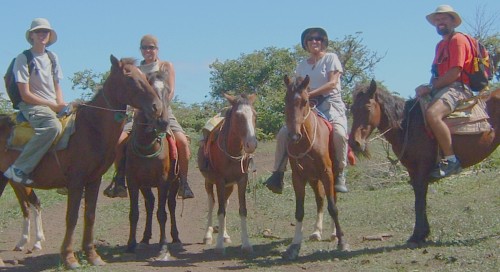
301	155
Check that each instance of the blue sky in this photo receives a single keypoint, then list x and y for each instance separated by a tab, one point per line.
193	34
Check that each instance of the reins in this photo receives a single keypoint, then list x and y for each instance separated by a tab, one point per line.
303	154
224	131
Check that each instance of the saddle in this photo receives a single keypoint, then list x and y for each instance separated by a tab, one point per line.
351	158
468	118
22	132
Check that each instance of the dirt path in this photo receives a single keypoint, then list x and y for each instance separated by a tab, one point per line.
111	240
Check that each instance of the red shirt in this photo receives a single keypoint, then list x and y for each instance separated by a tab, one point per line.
454	52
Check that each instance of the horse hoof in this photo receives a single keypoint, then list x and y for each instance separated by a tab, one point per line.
207	241
97	261
315	237
18	248
220	251
247	249
163	257
227	240
292	252
344	247
36	248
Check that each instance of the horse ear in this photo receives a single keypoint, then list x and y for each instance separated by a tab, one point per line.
372	89
286	79
229	97
306	80
252	98
114	60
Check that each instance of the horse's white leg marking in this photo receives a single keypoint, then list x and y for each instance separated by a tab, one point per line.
209	230
25	235
297	239
40	236
318	227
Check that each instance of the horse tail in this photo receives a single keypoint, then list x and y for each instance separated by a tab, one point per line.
3	183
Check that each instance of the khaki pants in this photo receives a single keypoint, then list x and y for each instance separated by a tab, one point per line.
47	127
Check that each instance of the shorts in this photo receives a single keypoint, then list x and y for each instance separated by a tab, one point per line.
452	94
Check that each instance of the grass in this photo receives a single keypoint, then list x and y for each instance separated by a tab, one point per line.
462	212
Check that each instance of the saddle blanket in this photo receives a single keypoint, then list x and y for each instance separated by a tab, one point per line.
22	133
472	119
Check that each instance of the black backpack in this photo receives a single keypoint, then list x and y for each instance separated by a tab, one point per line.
10	80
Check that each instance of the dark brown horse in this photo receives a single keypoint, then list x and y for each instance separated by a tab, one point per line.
229	155
309	151
90	150
28	200
403	126
149	164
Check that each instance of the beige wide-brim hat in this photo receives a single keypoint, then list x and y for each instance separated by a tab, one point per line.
444	9
41	23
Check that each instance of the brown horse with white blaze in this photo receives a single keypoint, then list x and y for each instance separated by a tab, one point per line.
149	165
90	150
229	156
403	126
310	154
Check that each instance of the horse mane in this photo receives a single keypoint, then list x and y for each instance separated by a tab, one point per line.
393	105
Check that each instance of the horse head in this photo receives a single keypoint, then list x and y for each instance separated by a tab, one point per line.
366	114
242	119
129	86
158	80
297	106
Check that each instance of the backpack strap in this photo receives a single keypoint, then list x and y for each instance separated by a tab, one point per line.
31	63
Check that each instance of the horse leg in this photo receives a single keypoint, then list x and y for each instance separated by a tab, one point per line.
334	212
227	238
161	215
246	247
74	199
172	203
221	214
22	198
91	194
319	194
421	229
36	207
133	215
292	252
149	203
209	188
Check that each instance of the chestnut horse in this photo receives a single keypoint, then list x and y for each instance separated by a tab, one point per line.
90	150
310	155
149	164
403	126
229	156
28	200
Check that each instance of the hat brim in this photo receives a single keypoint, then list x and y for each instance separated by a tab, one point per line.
456	17
52	39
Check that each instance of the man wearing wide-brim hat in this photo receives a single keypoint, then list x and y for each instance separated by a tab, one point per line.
448	84
41	94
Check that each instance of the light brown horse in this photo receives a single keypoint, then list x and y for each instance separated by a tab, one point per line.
28	200
229	155
149	164
403	126
310	154
90	150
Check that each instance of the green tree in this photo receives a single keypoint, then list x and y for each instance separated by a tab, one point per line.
262	72
88	81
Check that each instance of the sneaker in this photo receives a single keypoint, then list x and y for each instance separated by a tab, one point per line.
340	186
446	168
184	190
275	182
18	176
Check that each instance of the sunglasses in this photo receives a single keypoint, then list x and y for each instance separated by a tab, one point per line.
318	39
41	30
148	47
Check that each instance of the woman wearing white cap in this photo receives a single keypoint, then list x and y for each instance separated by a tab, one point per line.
324	69
448	84
42	98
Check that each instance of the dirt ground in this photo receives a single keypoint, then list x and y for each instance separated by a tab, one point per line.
192	255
